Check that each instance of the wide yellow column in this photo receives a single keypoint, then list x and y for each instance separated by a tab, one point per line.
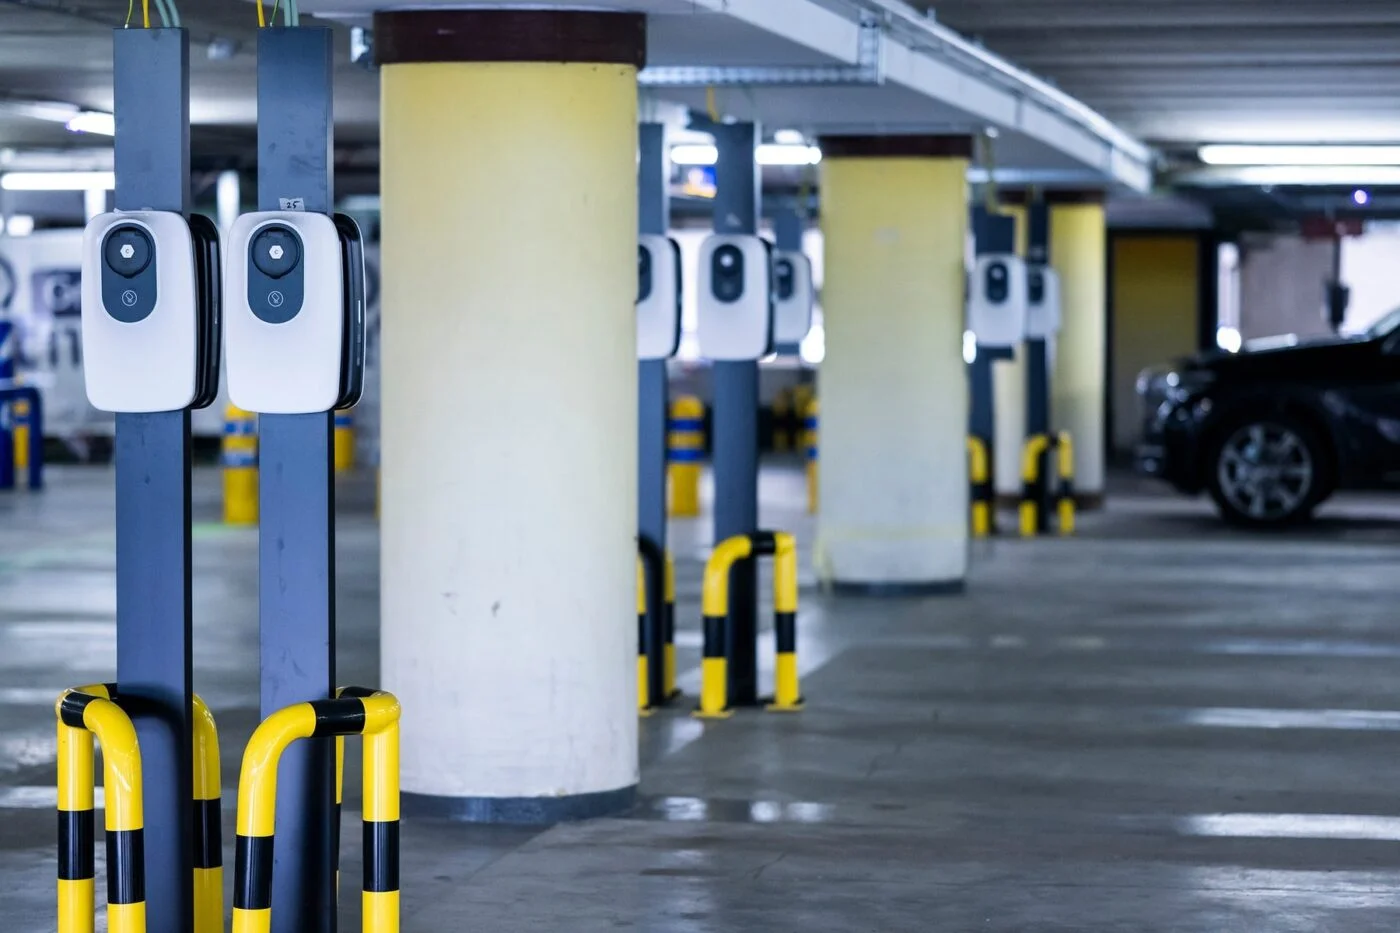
894	489
1078	254
509	178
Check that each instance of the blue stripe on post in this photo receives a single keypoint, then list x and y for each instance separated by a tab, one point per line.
810	423
344	421
675	455
239	459
811	453
685	424
240	428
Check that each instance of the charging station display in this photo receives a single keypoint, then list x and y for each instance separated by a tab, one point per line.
150	311
794	295
295	318
734	300
996	309
658	297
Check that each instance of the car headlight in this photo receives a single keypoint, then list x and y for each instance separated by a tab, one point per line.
1183	384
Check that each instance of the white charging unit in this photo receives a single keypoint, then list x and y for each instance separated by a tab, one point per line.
996	307
1042	302
285	312
734	298
793	296
144	336
658	297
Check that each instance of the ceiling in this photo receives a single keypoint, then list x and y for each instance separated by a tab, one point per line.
1180	72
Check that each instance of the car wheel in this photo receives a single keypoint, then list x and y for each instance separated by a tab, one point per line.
1267	472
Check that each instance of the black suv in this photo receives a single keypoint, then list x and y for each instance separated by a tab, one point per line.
1275	429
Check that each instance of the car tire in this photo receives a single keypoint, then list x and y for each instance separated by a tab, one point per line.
1268	471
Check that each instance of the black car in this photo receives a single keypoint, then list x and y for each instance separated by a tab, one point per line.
1273	430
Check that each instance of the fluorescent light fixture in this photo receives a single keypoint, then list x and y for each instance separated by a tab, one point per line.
58	181
1299	155
93	121
1339	175
1361	196
1228	339
19	225
789	137
969	347
767	154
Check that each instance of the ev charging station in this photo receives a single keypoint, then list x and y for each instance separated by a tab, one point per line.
996	316
659	287
794	291
1043	316
734	305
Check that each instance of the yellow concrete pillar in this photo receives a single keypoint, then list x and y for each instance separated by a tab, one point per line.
509	251
1078	253
894	497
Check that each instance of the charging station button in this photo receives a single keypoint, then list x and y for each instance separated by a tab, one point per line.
128	251
276	251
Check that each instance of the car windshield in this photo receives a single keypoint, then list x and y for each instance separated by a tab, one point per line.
1385	325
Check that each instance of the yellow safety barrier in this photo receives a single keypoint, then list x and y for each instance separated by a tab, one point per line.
75	853
1033	488
344	441
82	714
811	423
979	474
643	667
240	463
1064	505
714	665
22	427
782	420
685	454
354	711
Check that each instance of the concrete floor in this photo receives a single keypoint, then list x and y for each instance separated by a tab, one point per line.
1161	725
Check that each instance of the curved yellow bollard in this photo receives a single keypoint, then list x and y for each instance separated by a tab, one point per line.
787	696
714	598
1034	451
355	711
643	668
1064	504
685	454
82	714
979	476
669	659
208	834
811	436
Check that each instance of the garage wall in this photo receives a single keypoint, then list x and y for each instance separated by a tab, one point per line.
1282	282
1155	302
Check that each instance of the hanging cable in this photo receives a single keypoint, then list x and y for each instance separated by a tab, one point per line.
174	14
291	16
130	8
262	18
273	18
145	14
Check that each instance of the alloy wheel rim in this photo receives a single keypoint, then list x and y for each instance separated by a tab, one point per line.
1265	471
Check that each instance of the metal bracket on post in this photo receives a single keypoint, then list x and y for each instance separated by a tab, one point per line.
296	552
151	86
869	68
736	418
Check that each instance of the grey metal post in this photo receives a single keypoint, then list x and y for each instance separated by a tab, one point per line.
788	227
151	90
653	217
1037	351
736	417
296	546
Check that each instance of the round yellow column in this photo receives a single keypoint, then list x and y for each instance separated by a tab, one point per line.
894	498
1078	254
509	179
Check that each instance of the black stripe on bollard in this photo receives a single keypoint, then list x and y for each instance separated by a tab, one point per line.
381	840
714	637
126	866
785	631
253	867
75	840
71	708
342	716
764	543
208	835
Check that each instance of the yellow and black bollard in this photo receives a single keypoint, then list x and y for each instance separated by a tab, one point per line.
670	690
82	714
355	711
22	425
811	423
208	832
1064	492
240	463
979	474
343	441
685	454
643	668
714	665
1032	490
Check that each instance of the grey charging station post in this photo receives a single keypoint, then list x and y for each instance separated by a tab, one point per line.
296	548
735	386
992	233
1038	348
788	228
654	217
151	91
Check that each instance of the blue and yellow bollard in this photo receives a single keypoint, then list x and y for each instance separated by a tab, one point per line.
240	464
344	441
811	423
685	454
20	415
